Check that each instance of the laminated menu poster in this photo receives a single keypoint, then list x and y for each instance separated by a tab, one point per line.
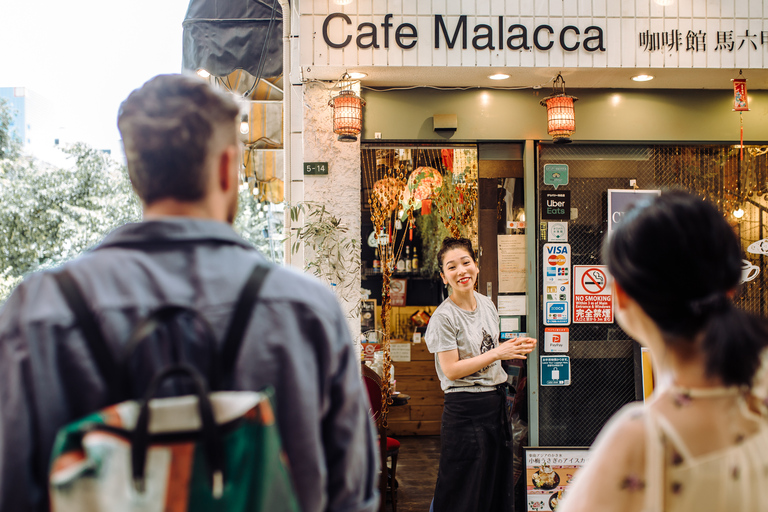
549	472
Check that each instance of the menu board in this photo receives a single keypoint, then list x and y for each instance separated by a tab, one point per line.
548	473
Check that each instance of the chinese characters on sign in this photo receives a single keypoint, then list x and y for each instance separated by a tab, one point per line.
548	474
691	41
593	298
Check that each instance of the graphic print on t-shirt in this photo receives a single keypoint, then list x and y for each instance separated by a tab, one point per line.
487	344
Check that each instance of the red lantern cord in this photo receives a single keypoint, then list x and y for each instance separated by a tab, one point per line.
741	137
410	233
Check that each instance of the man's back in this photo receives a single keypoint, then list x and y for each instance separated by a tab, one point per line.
297	342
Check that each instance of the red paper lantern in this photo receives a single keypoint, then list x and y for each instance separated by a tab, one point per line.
561	122
423	184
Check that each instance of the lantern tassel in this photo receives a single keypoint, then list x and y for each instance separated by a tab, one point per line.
741	137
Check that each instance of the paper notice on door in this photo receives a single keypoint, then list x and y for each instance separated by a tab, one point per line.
512	304
400	352
509	323
511	263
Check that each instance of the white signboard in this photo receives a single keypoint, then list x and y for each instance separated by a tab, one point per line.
555	339
592	296
557	284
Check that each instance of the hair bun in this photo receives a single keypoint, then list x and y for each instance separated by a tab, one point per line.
713	303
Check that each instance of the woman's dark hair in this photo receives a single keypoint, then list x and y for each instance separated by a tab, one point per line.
680	259
450	243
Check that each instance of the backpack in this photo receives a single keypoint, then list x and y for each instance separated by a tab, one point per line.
179	446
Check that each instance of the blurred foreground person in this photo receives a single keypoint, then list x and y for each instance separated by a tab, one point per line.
701	441
181	144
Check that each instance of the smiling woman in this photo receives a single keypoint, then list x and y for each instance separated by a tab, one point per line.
463	333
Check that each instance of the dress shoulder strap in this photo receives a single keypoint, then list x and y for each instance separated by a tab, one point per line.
654	464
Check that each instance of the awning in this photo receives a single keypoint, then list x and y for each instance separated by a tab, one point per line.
221	36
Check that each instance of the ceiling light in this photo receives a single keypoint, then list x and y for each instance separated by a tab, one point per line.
357	75
342	2
739	213
664	3
203	73
642	78
499	76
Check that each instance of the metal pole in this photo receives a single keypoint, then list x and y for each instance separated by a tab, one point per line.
532	281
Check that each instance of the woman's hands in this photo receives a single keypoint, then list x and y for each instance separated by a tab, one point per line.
516	348
455	368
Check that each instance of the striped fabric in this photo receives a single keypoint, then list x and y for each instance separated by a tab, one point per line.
91	461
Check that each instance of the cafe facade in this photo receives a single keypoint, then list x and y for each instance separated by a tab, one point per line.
461	88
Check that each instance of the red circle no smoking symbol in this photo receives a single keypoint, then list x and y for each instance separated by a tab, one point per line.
593	280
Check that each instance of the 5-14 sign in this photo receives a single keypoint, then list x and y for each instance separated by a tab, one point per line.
315	168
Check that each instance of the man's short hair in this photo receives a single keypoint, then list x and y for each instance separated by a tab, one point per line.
167	127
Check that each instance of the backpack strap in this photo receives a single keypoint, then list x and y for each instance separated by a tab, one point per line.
109	369
105	362
240	319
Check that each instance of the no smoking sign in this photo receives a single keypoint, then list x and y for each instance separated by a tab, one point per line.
592	295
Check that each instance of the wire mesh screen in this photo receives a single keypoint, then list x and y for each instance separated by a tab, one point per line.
602	355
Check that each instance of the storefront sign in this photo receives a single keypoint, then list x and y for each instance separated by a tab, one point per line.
592	296
557	288
548	473
555	370
453	30
555	175
556	339
621	200
555	204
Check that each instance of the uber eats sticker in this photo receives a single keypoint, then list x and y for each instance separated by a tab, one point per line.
557	284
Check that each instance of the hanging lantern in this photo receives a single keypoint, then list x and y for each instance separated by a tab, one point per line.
740	104
387	192
561	122
423	185
347	112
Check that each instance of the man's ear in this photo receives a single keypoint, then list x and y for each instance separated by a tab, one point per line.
227	160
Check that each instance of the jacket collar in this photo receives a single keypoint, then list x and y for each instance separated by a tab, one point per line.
166	230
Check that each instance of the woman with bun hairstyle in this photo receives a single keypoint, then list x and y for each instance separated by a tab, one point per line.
701	441
475	471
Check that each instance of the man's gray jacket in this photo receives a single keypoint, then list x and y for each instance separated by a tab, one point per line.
297	341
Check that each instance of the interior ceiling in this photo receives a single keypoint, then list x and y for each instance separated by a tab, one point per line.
577	78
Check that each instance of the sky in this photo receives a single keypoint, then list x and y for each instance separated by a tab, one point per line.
86	56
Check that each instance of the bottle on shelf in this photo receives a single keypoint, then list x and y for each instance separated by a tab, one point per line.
408	261
415	262
400	264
